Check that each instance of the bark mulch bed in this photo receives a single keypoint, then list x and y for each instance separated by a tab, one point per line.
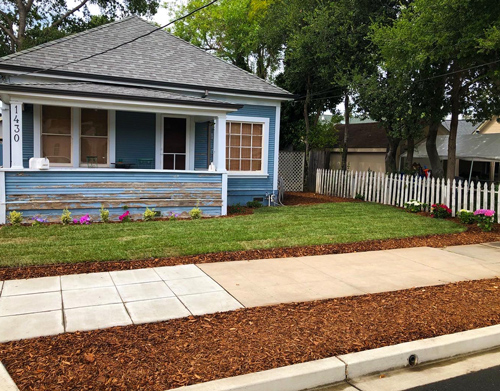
472	236
197	349
309	198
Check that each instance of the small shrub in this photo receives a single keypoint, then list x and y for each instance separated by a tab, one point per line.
359	196
440	211
149	214
195	213
484	218
125	218
236	208
15	218
84	220
172	216
254	204
66	217
414	206
104	213
466	217
37	221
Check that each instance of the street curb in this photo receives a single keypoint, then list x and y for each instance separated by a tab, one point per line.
332	370
6	382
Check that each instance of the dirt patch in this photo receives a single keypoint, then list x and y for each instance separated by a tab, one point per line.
308	198
197	349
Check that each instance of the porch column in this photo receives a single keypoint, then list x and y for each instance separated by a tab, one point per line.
492	171
220	156
16	134
6	135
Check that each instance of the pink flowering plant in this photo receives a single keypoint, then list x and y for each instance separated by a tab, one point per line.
485	219
125	218
440	211
84	220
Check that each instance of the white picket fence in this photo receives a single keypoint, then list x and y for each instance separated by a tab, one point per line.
397	189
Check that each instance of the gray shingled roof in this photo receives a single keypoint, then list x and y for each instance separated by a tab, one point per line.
464	127
159	58
114	91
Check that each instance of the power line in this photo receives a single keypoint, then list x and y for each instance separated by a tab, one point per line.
124	43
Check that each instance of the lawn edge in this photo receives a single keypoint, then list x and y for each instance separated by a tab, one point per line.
337	369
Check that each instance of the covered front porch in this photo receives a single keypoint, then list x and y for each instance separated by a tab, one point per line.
112	151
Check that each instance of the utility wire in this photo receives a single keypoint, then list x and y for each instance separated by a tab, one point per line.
124	43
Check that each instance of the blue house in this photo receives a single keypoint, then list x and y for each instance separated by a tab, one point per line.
131	116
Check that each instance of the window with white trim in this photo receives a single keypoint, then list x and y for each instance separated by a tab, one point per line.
94	135
244	146
56	134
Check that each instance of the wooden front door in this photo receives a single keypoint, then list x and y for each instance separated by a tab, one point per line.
174	143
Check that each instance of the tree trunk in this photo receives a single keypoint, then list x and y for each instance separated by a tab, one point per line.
455	111
430	145
390	156
410	141
346	132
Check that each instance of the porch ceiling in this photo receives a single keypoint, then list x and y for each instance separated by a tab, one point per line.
115	92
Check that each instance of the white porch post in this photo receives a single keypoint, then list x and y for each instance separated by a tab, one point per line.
220	156
16	134
6	135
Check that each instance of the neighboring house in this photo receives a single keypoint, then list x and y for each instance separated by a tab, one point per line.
366	145
478	150
155	122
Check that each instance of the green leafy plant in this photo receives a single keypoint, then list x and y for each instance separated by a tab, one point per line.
104	215
195	213
484	218
173	216
254	204
15	218
359	196
415	206
149	214
236	209
440	211
37	221
466	216
66	217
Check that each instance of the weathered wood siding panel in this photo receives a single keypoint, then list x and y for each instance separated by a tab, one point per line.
28	134
47	193
245	189
135	137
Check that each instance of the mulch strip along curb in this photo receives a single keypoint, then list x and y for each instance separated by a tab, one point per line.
333	370
472	236
186	351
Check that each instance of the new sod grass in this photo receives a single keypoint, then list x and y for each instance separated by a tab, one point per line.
267	228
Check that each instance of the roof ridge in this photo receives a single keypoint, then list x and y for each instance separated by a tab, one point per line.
64	39
213	56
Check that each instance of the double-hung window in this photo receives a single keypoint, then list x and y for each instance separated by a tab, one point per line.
56	134
94	137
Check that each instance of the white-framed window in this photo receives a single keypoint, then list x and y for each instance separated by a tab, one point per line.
56	135
246	145
94	137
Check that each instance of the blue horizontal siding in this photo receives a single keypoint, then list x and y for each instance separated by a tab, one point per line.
28	134
47	193
135	137
241	189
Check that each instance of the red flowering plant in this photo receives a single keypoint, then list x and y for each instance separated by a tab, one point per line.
440	211
125	218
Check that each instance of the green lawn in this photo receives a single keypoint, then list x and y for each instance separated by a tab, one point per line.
268	227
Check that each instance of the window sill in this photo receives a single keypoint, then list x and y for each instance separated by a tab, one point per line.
247	175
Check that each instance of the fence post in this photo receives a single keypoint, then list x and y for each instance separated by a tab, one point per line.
459	196
492	197
453	199
465	203
478	196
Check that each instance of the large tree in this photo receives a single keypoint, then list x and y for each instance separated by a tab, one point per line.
25	23
460	39
232	30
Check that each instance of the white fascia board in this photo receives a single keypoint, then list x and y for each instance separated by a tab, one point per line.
115	104
238	97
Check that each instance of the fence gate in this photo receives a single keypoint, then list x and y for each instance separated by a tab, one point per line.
291	169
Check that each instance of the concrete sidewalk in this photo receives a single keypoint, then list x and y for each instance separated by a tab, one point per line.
53	305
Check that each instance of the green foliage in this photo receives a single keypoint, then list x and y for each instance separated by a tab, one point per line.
236	209
415	206
195	213
485	219
149	214
104	213
359	196
466	217
66	217
15	218
254	204
440	211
